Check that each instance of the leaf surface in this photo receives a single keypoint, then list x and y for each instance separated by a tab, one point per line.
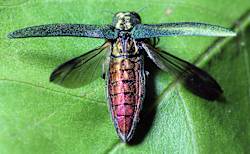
39	117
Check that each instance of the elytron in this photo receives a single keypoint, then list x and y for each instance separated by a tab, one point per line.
120	60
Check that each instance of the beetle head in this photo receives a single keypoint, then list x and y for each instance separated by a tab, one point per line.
126	20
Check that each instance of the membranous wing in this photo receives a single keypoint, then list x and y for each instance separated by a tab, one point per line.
77	30
81	70
195	79
179	29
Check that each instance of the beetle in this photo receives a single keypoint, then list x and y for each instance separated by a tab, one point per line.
120	60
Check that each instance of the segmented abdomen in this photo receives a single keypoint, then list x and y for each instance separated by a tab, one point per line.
126	92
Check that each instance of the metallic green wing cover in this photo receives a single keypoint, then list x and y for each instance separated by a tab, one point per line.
77	30
179	29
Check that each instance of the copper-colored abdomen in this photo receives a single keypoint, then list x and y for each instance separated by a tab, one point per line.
126	93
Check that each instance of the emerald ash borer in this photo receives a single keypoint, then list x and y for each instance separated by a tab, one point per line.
121	60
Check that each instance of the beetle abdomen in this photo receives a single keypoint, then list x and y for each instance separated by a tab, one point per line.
126	93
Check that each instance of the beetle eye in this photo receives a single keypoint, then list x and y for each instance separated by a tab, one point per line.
127	19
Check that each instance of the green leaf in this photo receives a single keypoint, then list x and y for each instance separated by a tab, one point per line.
39	117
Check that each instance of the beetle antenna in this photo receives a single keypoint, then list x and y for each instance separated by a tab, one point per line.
141	9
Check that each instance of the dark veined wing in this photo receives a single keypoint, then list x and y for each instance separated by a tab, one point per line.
78	30
81	70
195	79
179	29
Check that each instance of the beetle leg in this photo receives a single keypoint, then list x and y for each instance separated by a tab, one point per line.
105	66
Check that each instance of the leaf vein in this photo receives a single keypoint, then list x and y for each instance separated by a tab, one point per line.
55	91
190	123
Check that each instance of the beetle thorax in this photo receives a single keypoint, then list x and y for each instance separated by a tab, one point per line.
126	20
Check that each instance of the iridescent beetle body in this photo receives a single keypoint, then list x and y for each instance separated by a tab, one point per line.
127	41
125	77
